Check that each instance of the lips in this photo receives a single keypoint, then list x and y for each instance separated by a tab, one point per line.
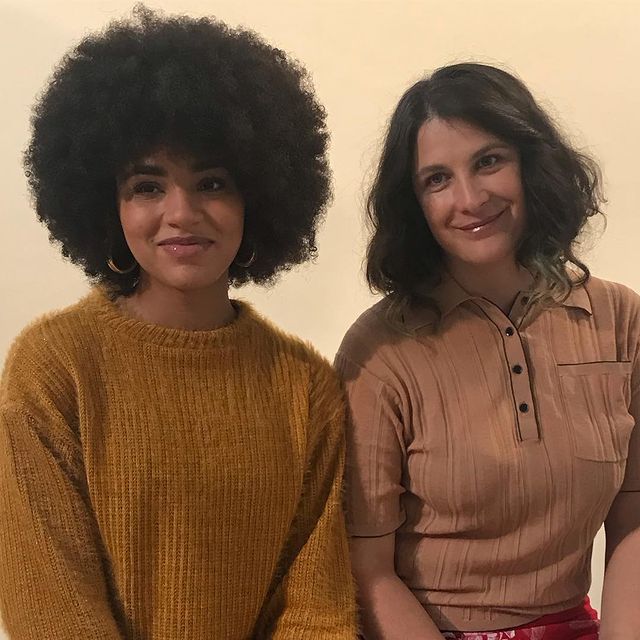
474	227
184	241
185	247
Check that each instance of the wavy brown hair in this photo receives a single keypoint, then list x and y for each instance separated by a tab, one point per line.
562	186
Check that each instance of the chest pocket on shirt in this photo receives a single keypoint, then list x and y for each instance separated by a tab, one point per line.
596	398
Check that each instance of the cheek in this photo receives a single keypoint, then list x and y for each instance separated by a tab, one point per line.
435	211
519	202
137	225
238	220
233	220
509	183
127	217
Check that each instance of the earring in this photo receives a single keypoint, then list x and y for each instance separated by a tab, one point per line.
249	262
112	265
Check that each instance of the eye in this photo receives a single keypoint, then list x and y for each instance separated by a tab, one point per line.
212	183
146	188
489	161
436	181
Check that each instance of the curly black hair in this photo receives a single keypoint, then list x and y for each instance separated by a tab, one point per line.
562	186
193	86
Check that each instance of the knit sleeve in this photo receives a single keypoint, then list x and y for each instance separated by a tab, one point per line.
52	565
316	598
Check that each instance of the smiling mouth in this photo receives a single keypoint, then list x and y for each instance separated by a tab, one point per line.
185	247
184	241
475	227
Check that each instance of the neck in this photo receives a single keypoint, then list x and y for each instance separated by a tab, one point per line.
499	283
200	310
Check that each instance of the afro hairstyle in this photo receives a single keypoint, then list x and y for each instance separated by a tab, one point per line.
193	86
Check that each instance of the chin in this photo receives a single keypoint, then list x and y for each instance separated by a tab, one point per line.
486	251
197	286
487	259
190	283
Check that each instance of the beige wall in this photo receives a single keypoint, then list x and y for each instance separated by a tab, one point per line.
578	56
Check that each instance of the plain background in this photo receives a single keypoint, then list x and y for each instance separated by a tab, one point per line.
578	57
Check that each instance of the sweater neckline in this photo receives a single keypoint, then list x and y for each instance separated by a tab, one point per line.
228	336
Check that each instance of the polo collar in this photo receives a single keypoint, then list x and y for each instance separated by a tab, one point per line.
448	295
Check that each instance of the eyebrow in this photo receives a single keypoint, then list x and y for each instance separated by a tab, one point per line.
142	168
205	165
491	146
150	169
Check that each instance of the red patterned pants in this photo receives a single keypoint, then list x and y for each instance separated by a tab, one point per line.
580	623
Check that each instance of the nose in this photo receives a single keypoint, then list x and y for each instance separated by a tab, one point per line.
470	194
182	208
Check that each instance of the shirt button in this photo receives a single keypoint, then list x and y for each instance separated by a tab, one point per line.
524	407
524	300
509	331
516	368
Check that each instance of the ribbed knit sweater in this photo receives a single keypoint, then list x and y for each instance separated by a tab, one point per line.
162	484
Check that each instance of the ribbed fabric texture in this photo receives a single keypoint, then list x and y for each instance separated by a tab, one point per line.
159	484
493	445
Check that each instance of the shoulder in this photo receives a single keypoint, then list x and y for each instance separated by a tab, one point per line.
371	332
607	297
301	366
378	350
271	342
41	356
44	335
598	288
615	313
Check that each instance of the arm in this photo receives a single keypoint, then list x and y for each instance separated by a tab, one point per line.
389	609
53	580
375	462
621	589
621	592
315	600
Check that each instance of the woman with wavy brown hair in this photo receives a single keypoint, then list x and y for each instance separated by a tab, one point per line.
494	391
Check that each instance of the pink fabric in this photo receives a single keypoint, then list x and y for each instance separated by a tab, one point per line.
580	623
578	630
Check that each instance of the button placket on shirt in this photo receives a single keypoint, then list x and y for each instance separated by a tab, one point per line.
516	365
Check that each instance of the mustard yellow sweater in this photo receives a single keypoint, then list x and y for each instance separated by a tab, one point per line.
161	484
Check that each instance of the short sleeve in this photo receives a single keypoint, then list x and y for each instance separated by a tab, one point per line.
375	453
632	473
632	303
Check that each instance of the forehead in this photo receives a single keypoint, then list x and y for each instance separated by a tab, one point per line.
448	141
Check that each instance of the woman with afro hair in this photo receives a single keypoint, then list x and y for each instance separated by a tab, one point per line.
171	462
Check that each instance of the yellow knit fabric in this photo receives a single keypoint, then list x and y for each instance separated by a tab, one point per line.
162	484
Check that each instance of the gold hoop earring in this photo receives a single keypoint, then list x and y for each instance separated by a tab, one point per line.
249	262
112	265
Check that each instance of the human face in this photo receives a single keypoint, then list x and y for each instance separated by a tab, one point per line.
182	219
469	186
